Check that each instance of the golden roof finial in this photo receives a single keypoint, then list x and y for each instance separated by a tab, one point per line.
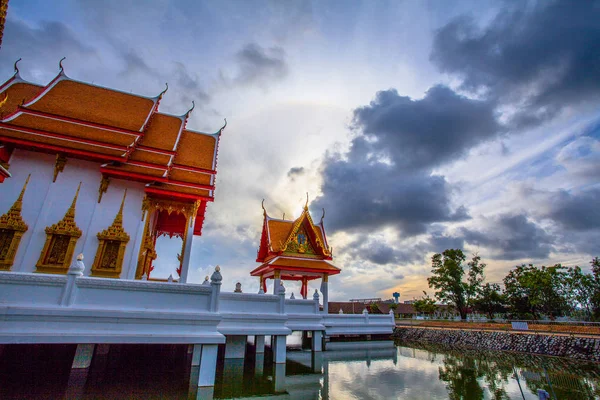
263	207
16	67
306	205
18	205
71	211
12	219
188	112
161	94
60	64
119	217
323	216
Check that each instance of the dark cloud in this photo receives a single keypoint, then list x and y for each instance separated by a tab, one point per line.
49	41
386	177
538	58
294	172
422	133
260	66
511	237
578	212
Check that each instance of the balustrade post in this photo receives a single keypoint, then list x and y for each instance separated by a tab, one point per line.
75	271
215	283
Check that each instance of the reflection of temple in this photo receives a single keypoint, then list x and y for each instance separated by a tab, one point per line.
295	251
86	169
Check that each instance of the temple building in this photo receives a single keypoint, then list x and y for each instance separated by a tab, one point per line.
295	250
92	170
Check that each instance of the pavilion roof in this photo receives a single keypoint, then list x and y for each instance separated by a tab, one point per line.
124	132
294	245
296	265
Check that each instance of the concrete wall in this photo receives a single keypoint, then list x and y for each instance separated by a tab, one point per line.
45	203
562	346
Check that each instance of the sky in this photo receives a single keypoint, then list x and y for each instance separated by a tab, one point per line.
417	125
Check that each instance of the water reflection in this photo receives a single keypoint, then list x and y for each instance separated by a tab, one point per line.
372	370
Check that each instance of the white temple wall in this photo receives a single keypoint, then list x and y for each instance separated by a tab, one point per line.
45	203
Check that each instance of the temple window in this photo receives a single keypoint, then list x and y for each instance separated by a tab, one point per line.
61	239
113	241
12	228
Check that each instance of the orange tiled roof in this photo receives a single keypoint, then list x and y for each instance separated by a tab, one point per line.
279	230
16	94
125	130
85	102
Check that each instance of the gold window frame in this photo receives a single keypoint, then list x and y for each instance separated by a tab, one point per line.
55	234
12	222
106	238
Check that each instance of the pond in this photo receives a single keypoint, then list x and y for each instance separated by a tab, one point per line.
349	370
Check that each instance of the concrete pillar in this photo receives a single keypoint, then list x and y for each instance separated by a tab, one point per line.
83	356
208	365
325	292
279	349
259	365
317	341
279	377
196	354
276	281
235	346
79	371
259	342
316	362
325	391
187	249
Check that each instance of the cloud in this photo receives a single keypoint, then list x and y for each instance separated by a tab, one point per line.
386	177
259	66
537	59
295	171
423	133
48	42
511	237
579	212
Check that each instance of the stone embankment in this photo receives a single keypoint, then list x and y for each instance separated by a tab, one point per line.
576	347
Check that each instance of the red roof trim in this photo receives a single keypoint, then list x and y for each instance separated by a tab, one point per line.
267	267
77	122
148	178
194	169
62	137
184	196
155	150
60	149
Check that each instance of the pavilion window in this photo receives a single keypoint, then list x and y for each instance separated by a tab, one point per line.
61	239
108	262
12	228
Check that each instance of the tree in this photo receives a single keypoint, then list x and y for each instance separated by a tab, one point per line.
393	307
596	287
490	300
448	272
536	291
425	304
580	291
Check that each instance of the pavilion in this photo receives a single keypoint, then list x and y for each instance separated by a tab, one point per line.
295	250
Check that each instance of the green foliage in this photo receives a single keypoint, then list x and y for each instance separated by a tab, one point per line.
580	291
448	273
374	308
537	291
425	304
490	300
596	287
